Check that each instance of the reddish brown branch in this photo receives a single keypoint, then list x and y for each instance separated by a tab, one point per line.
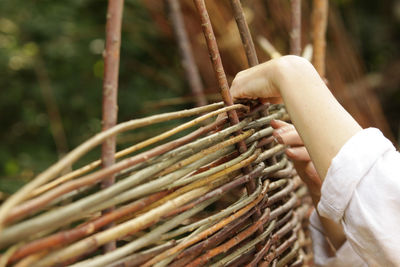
244	31
35	204
141	257
319	25
110	91
216	58
220	74
295	35
219	237
68	236
221	190
260	254
252	59
186	52
232	242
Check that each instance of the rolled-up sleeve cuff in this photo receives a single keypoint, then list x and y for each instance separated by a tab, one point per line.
349	166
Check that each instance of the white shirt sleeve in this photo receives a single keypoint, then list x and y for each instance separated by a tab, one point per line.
324	256
362	191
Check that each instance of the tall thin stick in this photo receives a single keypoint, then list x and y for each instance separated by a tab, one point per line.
295	35
188	62
252	59
319	25
220	74
110	91
244	31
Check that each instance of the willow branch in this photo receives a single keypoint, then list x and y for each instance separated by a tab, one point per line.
295	35
120	230
75	154
188	62
143	241
68	236
319	26
244	31
232	242
211	230
134	148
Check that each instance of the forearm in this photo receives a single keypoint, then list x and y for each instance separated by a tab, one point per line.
323	124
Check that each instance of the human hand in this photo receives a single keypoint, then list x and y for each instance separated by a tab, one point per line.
256	83
286	134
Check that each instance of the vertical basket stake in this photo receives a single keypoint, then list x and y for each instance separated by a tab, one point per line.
220	74
185	49
295	34
110	90
244	31
319	25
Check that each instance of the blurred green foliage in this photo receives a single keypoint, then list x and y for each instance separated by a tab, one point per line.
68	37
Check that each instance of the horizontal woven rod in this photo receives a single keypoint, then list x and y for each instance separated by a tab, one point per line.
235	254
104	260
218	237
226	187
218	216
117	231
232	242
265	120
209	179
70	212
281	248
73	156
143	256
273	224
288	257
71	235
201	154
281	194
136	147
260	254
272	186
212	229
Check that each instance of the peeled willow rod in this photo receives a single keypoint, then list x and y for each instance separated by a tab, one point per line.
217	238
238	205
232	256
120	230
143	256
134	148
211	230
150	237
68	236
74	211
232	242
207	180
224	188
75	154
212	170
32	205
